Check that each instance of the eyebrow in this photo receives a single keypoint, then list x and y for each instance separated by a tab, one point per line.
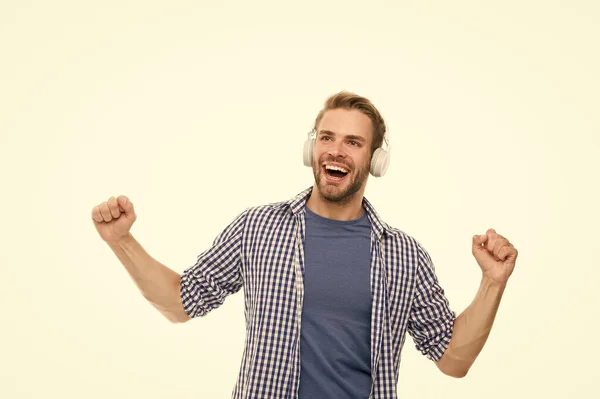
349	136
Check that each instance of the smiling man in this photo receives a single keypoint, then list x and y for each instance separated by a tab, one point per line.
342	159
330	289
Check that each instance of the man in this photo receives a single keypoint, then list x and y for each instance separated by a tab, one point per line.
330	289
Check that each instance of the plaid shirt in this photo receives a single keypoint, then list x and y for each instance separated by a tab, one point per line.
262	251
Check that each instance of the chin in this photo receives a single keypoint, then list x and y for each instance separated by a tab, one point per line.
333	195
339	191
336	193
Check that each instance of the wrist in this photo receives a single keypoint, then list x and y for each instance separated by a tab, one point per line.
489	283
121	242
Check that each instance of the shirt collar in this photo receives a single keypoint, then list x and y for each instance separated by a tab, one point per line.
296	205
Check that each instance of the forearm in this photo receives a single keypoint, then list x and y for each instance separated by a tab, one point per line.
471	329
157	283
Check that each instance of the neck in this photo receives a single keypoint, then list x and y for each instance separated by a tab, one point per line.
348	209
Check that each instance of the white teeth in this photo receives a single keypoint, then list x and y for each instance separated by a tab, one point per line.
331	167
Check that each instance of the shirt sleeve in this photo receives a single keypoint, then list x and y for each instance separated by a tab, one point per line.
216	273
431	321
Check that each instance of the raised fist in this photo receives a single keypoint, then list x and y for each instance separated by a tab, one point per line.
113	218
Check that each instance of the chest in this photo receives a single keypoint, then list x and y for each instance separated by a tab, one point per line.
337	273
277	261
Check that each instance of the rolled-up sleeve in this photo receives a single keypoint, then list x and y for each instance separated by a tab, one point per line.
431	321
216	273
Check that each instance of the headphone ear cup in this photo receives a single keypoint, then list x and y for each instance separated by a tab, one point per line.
380	162
308	152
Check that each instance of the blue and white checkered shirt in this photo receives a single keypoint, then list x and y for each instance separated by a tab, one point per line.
262	251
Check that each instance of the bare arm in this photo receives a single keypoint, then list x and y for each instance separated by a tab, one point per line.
471	330
497	257
158	283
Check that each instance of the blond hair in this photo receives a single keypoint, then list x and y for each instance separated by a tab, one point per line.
348	100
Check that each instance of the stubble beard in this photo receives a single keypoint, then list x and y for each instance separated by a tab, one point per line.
339	194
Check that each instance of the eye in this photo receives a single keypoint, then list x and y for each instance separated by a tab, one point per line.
325	138
353	143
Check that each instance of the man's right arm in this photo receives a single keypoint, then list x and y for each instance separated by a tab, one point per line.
157	283
201	288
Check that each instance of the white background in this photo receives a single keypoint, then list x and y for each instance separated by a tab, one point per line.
197	110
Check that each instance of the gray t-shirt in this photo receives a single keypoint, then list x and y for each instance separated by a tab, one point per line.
335	339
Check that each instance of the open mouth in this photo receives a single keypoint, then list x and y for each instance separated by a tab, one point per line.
334	172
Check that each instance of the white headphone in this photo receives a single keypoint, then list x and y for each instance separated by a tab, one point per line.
379	161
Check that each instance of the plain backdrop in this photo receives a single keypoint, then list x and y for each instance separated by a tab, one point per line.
197	110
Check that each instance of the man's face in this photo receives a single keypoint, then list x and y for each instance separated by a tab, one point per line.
342	154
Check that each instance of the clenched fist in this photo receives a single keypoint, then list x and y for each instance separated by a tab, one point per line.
113	218
495	254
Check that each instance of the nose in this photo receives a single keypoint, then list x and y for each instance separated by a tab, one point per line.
335	149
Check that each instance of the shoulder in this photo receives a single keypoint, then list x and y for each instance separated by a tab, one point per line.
397	239
284	209
269	213
409	250
253	219
400	236
406	241
275	208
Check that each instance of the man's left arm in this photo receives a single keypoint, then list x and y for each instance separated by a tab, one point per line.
496	256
